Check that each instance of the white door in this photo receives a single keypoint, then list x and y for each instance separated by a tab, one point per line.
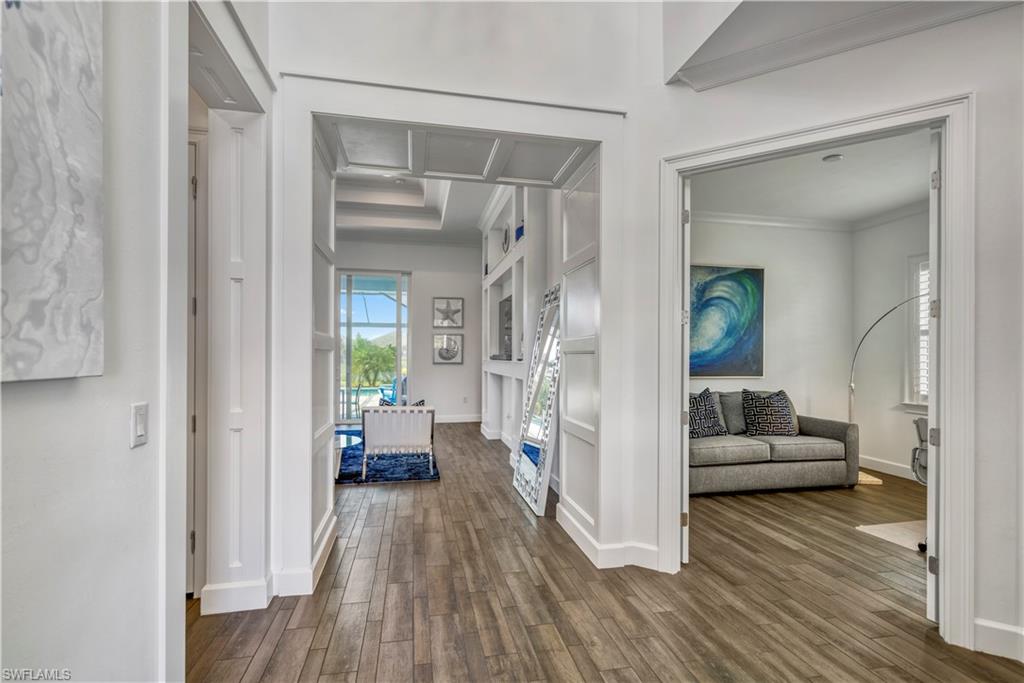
579	424
684	400
934	282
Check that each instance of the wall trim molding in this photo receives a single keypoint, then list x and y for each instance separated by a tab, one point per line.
1005	640
295	581
954	588
328	536
236	596
453	93
887	467
490	434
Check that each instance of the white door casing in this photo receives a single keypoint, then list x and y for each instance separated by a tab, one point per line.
952	402
934	374
236	457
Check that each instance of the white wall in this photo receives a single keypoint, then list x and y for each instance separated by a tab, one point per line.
512	49
808	285
880	257
442	271
82	563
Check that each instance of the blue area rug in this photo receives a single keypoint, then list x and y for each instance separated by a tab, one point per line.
385	468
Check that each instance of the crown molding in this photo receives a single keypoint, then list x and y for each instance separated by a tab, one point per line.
873	27
899	213
793	223
723	217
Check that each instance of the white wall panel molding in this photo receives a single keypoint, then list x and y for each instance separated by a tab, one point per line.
237	455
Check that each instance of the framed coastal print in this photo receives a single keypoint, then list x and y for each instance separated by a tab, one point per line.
448	312
726	321
448	349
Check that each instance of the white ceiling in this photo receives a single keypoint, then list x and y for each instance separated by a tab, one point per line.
418	182
875	178
759	37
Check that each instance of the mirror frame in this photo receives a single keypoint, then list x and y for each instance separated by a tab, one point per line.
532	481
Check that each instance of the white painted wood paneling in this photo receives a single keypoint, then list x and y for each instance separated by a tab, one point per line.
579	427
237	484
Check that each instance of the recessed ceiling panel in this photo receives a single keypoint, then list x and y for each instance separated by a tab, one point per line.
456	154
538	160
374	143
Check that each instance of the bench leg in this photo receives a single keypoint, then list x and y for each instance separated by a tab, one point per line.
431	464
364	467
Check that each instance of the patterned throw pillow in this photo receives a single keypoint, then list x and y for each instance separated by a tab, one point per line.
704	417
385	402
768	414
421	402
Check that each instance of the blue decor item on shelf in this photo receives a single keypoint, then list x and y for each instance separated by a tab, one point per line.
520	231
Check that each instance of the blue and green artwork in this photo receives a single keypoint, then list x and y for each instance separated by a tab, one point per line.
726	321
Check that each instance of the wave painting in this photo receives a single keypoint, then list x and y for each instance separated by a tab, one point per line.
726	321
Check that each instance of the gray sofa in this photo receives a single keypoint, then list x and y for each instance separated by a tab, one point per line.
825	453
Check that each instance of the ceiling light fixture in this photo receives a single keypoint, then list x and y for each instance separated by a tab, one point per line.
832	158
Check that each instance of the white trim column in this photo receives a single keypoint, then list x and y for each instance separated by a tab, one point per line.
236	571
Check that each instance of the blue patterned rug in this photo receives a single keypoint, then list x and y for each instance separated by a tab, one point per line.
385	468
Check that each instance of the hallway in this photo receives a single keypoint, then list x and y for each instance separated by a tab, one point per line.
457	580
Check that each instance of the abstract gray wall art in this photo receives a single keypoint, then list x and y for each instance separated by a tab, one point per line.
52	248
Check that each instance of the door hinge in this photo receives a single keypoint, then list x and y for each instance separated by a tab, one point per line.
934	437
685	216
686	316
933	565
195	187
684	519
936	180
195	305
192	541
686	418
934	308
193	424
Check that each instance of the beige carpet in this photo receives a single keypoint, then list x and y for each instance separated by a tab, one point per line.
906	534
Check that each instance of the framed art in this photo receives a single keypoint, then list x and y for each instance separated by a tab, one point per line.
448	312
726	321
448	349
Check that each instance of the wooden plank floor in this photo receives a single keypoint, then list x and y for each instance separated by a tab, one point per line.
457	580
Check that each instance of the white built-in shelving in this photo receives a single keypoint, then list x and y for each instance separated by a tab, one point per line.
516	268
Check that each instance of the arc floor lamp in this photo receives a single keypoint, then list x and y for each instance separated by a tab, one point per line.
853	364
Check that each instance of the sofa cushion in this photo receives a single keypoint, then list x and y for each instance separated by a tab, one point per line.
732	411
727	450
769	414
795	448
705	416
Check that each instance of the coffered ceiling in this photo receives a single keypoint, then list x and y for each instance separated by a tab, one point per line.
448	153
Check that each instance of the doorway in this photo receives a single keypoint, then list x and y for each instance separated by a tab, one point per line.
951	274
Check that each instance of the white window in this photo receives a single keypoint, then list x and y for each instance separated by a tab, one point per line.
918	357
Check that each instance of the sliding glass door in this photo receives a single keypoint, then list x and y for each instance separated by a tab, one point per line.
373	315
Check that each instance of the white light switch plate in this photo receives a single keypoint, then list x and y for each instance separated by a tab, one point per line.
138	425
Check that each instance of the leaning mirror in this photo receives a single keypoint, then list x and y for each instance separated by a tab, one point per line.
538	434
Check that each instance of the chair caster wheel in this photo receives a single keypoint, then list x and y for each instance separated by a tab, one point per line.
922	547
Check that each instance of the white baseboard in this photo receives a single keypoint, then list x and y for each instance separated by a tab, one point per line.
886	467
324	549
554	484
295	581
1005	640
508	440
489	434
607	555
456	418
235	596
